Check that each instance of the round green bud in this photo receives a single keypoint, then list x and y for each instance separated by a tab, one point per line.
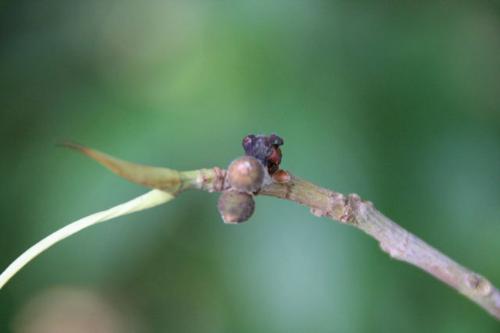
245	174
235	207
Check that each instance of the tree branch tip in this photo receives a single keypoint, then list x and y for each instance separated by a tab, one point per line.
349	209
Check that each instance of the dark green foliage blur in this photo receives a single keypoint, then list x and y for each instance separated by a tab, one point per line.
396	101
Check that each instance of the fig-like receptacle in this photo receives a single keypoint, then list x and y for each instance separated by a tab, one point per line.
245	174
235	207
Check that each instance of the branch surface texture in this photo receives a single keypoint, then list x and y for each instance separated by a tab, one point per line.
349	209
399	243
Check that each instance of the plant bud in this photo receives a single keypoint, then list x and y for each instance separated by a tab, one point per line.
235	207
265	148
245	174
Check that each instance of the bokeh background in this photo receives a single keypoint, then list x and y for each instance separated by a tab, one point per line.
396	101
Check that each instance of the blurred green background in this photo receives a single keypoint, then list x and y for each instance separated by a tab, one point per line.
396	101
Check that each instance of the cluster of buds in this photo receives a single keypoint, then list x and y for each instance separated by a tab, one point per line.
247	174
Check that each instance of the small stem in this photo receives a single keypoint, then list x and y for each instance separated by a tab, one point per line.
393	239
145	201
166	183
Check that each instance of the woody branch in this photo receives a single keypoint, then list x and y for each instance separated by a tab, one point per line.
399	243
393	239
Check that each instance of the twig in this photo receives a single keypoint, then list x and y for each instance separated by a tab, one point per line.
393	239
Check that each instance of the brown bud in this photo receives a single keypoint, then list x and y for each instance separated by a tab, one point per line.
235	207
245	174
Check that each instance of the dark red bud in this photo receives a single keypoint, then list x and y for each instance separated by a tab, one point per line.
265	149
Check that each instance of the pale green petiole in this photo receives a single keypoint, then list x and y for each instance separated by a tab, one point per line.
145	201
166	183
